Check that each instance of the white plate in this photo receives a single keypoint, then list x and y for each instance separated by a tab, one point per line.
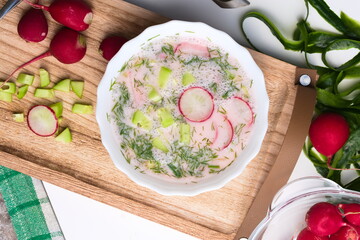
105	102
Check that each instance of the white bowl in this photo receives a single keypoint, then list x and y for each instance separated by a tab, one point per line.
201	30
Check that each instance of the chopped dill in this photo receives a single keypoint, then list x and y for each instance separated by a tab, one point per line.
142	147
123	99
168	49
213	87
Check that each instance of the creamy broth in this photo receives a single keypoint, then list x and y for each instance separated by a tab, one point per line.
157	133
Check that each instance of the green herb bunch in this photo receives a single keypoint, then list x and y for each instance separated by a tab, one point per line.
329	96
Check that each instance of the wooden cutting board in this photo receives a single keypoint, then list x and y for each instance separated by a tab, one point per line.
84	165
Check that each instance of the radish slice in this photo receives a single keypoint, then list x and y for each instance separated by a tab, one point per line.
238	111
42	120
193	49
196	104
224	133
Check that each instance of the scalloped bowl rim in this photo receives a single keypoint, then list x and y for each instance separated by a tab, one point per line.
228	44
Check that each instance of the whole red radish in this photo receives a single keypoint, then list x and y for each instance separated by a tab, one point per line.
110	46
328	133
306	234
345	233
324	219
67	46
351	212
33	26
75	14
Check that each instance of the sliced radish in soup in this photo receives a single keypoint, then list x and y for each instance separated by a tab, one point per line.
193	49
196	104
224	133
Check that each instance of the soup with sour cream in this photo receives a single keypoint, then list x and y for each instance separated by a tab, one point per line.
182	109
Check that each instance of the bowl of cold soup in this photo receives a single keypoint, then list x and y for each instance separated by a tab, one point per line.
182	108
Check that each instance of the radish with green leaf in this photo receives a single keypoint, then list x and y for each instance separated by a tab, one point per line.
74	14
328	133
42	120
33	26
67	46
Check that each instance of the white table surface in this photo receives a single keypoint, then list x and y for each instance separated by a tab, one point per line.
82	218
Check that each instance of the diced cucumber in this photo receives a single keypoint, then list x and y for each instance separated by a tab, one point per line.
18	117
82	108
26	79
22	91
57	108
141	120
187	79
8	87
63	85
44	77
185	135
165	116
154	96
159	144
164	75
5	96
65	136
44	93
77	87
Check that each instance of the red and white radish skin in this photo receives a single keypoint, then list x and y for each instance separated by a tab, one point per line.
67	46
345	233
224	133
33	26
192	49
196	104
74	14
238	111
42	120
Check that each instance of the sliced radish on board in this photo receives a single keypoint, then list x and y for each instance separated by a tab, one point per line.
196	104
193	49
42	120
224	133
238	111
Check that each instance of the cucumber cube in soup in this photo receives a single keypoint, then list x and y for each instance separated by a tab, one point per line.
185	135
82	108
8	87
6	97
65	136
26	79
159	144
140	120
165	117
18	117
63	85
153	95
44	77
77	87
187	79
22	91
44	93
164	76
57	108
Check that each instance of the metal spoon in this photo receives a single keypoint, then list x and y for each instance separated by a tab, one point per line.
8	6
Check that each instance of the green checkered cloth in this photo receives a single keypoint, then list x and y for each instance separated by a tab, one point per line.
28	206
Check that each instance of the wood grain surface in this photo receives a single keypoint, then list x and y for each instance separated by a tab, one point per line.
85	167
